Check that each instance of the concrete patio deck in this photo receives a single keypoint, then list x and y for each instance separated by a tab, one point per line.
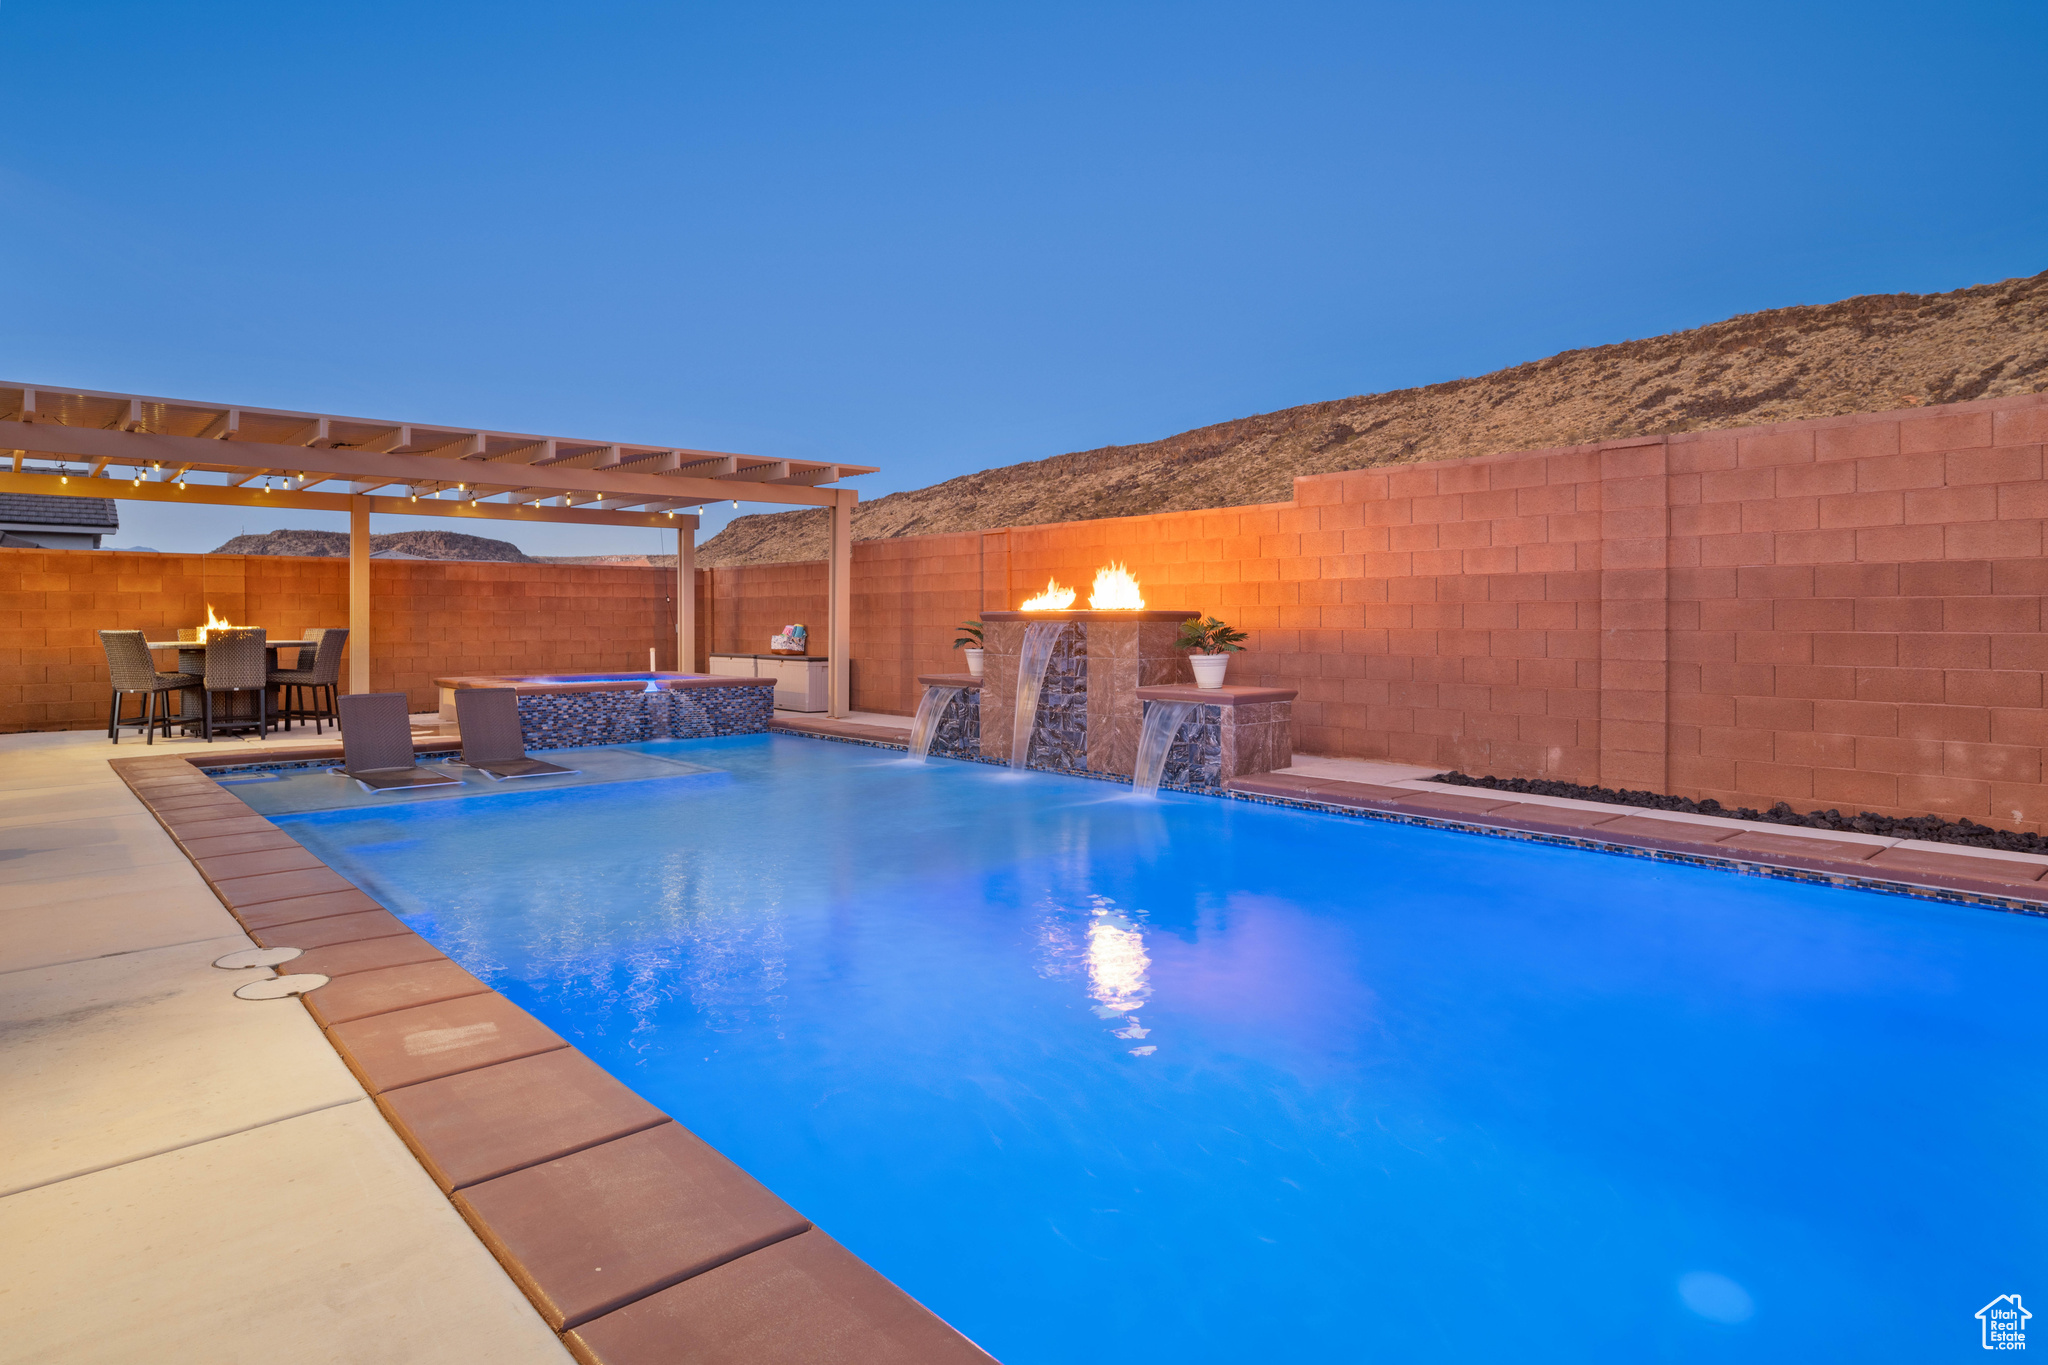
185	1176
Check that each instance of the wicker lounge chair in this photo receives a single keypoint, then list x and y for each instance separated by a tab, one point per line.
491	741
321	673
131	669
376	745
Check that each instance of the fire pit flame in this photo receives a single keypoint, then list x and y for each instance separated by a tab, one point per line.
1116	589
213	623
1054	598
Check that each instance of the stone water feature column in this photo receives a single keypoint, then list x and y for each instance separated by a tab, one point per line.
956	730
1229	732
1089	713
1105	667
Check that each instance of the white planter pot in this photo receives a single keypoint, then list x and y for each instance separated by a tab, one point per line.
1209	668
973	661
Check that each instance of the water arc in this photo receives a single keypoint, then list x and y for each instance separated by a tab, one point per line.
925	726
1036	653
1163	720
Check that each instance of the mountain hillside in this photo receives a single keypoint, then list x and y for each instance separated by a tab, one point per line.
399	544
1864	354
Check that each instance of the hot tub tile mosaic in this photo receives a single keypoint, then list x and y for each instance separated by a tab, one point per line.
568	720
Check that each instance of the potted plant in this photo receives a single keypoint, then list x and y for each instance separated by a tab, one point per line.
970	640
1211	643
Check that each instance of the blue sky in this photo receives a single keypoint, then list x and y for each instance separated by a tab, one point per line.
940	238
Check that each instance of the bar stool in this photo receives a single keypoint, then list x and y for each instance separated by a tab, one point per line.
131	669
237	660
322	675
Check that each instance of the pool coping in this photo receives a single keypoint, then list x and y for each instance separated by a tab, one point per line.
727	1273
668	682
1568	827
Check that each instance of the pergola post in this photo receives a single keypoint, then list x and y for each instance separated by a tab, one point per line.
839	609
358	594
686	600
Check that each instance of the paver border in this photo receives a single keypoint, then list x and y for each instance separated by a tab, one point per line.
692	1229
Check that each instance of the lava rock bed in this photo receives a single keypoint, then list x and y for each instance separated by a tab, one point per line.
1930	827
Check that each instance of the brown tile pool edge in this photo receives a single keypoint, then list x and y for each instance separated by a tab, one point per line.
1565	826
514	1124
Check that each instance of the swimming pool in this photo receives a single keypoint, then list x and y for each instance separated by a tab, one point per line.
1099	1077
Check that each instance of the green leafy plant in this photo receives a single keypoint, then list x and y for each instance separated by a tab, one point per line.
970	635
1210	636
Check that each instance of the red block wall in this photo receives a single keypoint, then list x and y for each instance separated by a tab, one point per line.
1845	612
428	618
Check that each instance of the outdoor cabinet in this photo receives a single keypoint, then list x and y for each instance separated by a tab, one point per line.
800	683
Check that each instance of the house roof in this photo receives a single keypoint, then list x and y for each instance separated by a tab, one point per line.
34	509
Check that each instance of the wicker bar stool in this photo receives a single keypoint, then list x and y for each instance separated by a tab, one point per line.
131	670
237	660
322	675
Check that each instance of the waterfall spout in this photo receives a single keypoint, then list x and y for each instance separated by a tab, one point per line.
930	708
1039	638
1163	720
655	700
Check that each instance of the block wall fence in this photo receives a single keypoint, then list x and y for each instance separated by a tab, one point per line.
1842	612
428	618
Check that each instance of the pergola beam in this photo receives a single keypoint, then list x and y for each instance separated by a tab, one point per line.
206	493
251	459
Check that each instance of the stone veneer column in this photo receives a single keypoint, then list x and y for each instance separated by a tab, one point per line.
1001	642
1125	651
1255	724
1124	656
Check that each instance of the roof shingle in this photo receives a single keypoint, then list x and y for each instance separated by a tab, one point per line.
44	510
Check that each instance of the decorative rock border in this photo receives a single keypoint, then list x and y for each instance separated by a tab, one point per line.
557	1166
1996	884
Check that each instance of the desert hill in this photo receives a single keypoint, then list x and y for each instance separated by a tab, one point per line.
1865	354
398	544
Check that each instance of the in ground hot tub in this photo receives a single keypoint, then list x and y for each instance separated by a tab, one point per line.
565	710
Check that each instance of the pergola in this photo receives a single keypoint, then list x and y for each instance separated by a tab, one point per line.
84	443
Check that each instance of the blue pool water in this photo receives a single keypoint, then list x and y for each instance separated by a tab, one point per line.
1189	1080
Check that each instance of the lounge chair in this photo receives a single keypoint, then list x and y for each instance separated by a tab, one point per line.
491	740
376	745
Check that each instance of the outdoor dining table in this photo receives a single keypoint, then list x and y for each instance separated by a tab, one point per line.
192	659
